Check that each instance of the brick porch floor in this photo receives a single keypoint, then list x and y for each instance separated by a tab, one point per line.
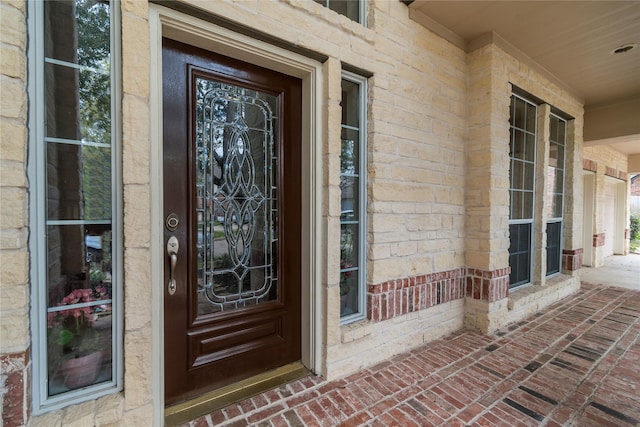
575	363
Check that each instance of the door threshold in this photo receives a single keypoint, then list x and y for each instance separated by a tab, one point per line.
225	396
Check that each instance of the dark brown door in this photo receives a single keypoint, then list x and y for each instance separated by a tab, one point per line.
232	200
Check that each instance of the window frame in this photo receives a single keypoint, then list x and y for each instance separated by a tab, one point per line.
37	174
560	219
520	221
362	82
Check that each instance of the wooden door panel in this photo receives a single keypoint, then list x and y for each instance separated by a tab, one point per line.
232	154
217	342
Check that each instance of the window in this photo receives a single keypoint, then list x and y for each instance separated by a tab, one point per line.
352	9
522	124
74	202
353	161
555	193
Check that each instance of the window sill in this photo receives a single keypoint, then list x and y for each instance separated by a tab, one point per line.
355	331
529	299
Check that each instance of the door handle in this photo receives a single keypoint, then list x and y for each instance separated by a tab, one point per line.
172	251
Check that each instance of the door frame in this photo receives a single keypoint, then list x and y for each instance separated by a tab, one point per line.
164	22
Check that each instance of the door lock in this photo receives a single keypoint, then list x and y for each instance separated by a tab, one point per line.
172	251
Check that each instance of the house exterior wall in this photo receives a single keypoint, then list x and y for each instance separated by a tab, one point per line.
611	193
14	253
438	235
493	72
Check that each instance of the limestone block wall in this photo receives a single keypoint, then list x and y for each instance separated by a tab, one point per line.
611	176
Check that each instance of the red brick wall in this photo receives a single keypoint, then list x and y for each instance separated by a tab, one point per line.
402	296
15	402
395	298
571	259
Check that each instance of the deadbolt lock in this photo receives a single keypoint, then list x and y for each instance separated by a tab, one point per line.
171	222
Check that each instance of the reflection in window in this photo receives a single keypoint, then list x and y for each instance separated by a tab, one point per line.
352	198
522	145
555	193
75	157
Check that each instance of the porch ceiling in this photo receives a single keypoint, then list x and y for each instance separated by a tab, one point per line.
569	41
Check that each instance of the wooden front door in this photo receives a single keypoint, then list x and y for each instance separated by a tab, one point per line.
232	209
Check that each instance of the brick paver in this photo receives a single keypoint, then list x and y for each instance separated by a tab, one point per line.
575	363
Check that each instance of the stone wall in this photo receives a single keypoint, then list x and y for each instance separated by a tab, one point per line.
14	254
495	68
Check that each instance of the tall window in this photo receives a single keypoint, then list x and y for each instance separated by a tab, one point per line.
522	123
555	193
75	201
352	9
353	198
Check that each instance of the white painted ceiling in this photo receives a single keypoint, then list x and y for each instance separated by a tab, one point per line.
572	40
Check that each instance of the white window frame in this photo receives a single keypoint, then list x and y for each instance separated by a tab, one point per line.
561	218
36	170
362	196
530	221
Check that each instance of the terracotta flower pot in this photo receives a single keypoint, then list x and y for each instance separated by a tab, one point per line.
81	371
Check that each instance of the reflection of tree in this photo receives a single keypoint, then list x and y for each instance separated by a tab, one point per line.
347	156
93	51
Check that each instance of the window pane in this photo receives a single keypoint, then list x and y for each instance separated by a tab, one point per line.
531	118
519	254
78	257
78	32
79	342
348	8
530	152
553	129
349	155
561	156
78	104
553	247
349	252
558	187
516	204
518	146
349	279
519	114
557	206
529	175
78	182
350	104
553	155
79	339
561	132
349	196
527	205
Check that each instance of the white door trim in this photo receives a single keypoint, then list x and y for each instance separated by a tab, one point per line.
164	22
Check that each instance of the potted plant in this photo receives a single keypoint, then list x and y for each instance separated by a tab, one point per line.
76	347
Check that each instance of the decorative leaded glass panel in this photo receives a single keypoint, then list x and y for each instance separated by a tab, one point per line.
236	191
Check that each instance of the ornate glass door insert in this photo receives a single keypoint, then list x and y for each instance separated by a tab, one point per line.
236	196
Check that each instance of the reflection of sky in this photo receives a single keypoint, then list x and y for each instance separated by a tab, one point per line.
94	242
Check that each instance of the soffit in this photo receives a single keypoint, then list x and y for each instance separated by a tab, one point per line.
570	39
